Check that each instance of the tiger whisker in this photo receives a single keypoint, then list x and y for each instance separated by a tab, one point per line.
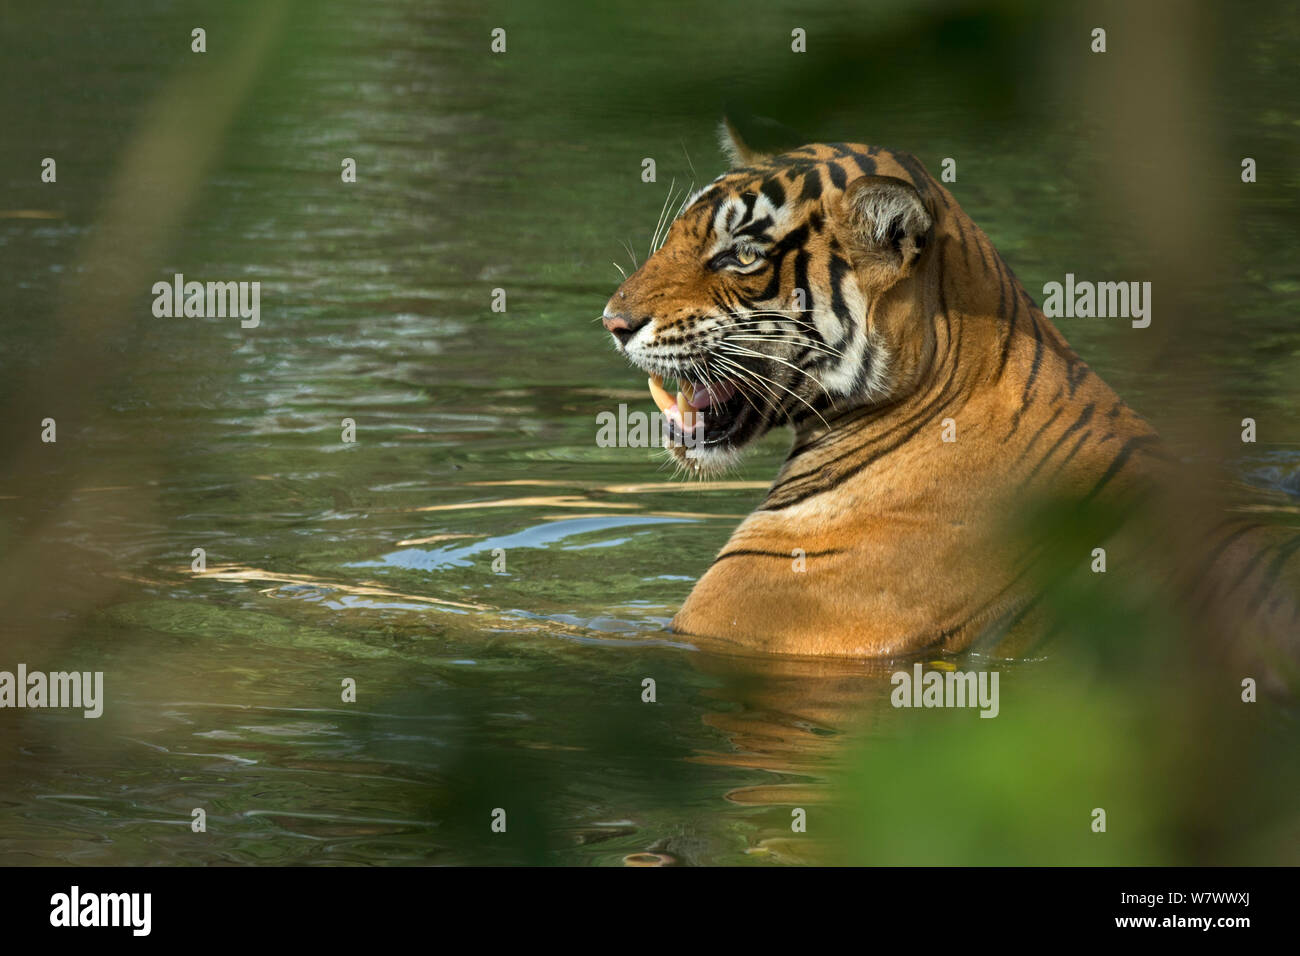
814	378
770	399
694	174
744	350
756	317
756	378
682	208
663	211
668	223
739	388
739	374
750	325
803	341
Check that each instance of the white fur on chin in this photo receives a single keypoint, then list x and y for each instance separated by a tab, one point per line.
701	462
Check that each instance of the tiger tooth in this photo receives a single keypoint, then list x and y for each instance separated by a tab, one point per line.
684	405
659	394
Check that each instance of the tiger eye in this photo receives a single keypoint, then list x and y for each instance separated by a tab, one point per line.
746	257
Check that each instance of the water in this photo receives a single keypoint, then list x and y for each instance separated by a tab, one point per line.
476	688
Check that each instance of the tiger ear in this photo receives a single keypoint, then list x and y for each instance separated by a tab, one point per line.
734	147
888	220
748	139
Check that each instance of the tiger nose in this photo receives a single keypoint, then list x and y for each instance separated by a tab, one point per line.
621	327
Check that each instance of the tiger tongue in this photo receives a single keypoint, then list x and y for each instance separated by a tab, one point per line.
708	396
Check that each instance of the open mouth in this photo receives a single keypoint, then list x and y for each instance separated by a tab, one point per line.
704	415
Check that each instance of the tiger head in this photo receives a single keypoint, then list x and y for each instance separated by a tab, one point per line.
785	291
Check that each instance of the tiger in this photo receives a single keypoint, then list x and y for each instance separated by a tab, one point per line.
840	289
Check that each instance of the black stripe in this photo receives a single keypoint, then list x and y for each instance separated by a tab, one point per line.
839	268
866	165
1077	445
1011	330
711	211
965	243
801	282
777	255
1041	428
1080	367
1029	382
1250	566
812	186
1275	567
758	553
1084	417
1194	583
774	191
755	228
979	247
1138	444
1002	304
